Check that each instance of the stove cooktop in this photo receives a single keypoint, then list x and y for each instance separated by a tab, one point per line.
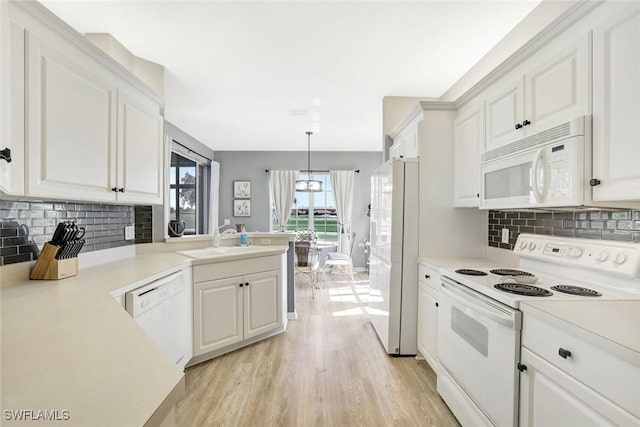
523	289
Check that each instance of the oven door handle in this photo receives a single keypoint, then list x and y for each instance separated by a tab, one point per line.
474	309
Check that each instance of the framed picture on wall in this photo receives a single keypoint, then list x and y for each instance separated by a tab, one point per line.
242	208
241	189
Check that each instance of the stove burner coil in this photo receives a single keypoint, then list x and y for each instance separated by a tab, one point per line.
521	289
470	272
576	290
510	272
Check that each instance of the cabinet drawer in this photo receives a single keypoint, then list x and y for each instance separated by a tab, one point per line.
221	270
611	375
429	276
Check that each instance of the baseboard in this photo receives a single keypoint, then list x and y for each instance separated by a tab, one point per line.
292	316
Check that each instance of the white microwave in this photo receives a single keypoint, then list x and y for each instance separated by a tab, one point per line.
550	169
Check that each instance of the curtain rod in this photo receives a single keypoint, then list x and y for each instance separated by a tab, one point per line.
190	150
315	170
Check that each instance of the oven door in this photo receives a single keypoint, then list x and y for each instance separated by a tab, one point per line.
479	347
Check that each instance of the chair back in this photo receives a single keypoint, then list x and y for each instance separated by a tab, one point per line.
304	244
352	243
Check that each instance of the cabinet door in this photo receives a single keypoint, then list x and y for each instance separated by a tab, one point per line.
140	153
616	110
558	89
11	103
505	111
70	136
468	137
217	314
262	303
427	323
411	141
550	397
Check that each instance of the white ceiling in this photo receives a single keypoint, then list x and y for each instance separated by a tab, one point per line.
236	70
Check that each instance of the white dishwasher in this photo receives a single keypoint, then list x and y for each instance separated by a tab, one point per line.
161	310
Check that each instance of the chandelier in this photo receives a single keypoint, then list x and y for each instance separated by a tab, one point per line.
308	185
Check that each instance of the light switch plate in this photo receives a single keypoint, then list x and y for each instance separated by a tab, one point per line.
129	232
505	235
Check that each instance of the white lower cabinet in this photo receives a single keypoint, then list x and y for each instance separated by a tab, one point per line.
570	377
428	292
233	311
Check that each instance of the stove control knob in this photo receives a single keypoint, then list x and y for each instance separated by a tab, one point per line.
575	253
523	244
532	245
620	258
602	256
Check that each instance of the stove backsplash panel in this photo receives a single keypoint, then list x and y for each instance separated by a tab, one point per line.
614	225
26	225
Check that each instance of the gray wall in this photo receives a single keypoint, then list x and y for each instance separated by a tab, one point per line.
251	165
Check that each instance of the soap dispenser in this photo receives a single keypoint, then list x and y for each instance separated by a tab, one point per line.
244	238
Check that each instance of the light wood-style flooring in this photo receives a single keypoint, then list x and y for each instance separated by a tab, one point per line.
327	369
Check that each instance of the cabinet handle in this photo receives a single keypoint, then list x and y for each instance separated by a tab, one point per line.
518	126
593	182
114	189
5	154
121	189
241	284
426	276
478	195
437	305
246	284
526	123
564	353
521	367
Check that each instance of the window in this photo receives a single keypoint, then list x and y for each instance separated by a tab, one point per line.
189	193
314	211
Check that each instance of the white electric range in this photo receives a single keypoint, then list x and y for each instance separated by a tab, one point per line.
479	323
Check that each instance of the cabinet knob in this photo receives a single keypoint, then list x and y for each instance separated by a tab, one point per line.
114	189
121	189
518	126
246	284
426	276
593	182
478	195
5	154
526	123
521	367
437	305
564	353
241	284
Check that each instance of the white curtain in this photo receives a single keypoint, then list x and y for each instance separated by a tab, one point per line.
342	183
214	197
283	191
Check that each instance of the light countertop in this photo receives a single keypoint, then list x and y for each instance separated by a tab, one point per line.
616	321
69	345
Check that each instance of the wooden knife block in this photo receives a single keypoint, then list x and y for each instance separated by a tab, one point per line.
49	268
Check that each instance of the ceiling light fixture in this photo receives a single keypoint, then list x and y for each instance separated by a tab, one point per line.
308	185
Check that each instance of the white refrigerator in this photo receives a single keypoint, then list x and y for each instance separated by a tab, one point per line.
393	274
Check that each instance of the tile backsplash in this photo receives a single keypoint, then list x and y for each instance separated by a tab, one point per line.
26	225
144	224
614	225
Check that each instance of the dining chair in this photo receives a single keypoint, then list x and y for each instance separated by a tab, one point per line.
339	260
307	257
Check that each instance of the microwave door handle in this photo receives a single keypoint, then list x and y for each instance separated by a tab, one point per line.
535	185
472	308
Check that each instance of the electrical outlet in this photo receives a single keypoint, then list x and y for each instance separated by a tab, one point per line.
265	241
129	232
505	235
227	221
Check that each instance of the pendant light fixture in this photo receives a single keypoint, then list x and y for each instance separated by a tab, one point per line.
308	185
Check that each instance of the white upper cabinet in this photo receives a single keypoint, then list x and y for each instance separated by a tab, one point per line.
505	112
557	90
90	131
71	128
406	139
616	105
552	91
11	104
468	138
140	171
